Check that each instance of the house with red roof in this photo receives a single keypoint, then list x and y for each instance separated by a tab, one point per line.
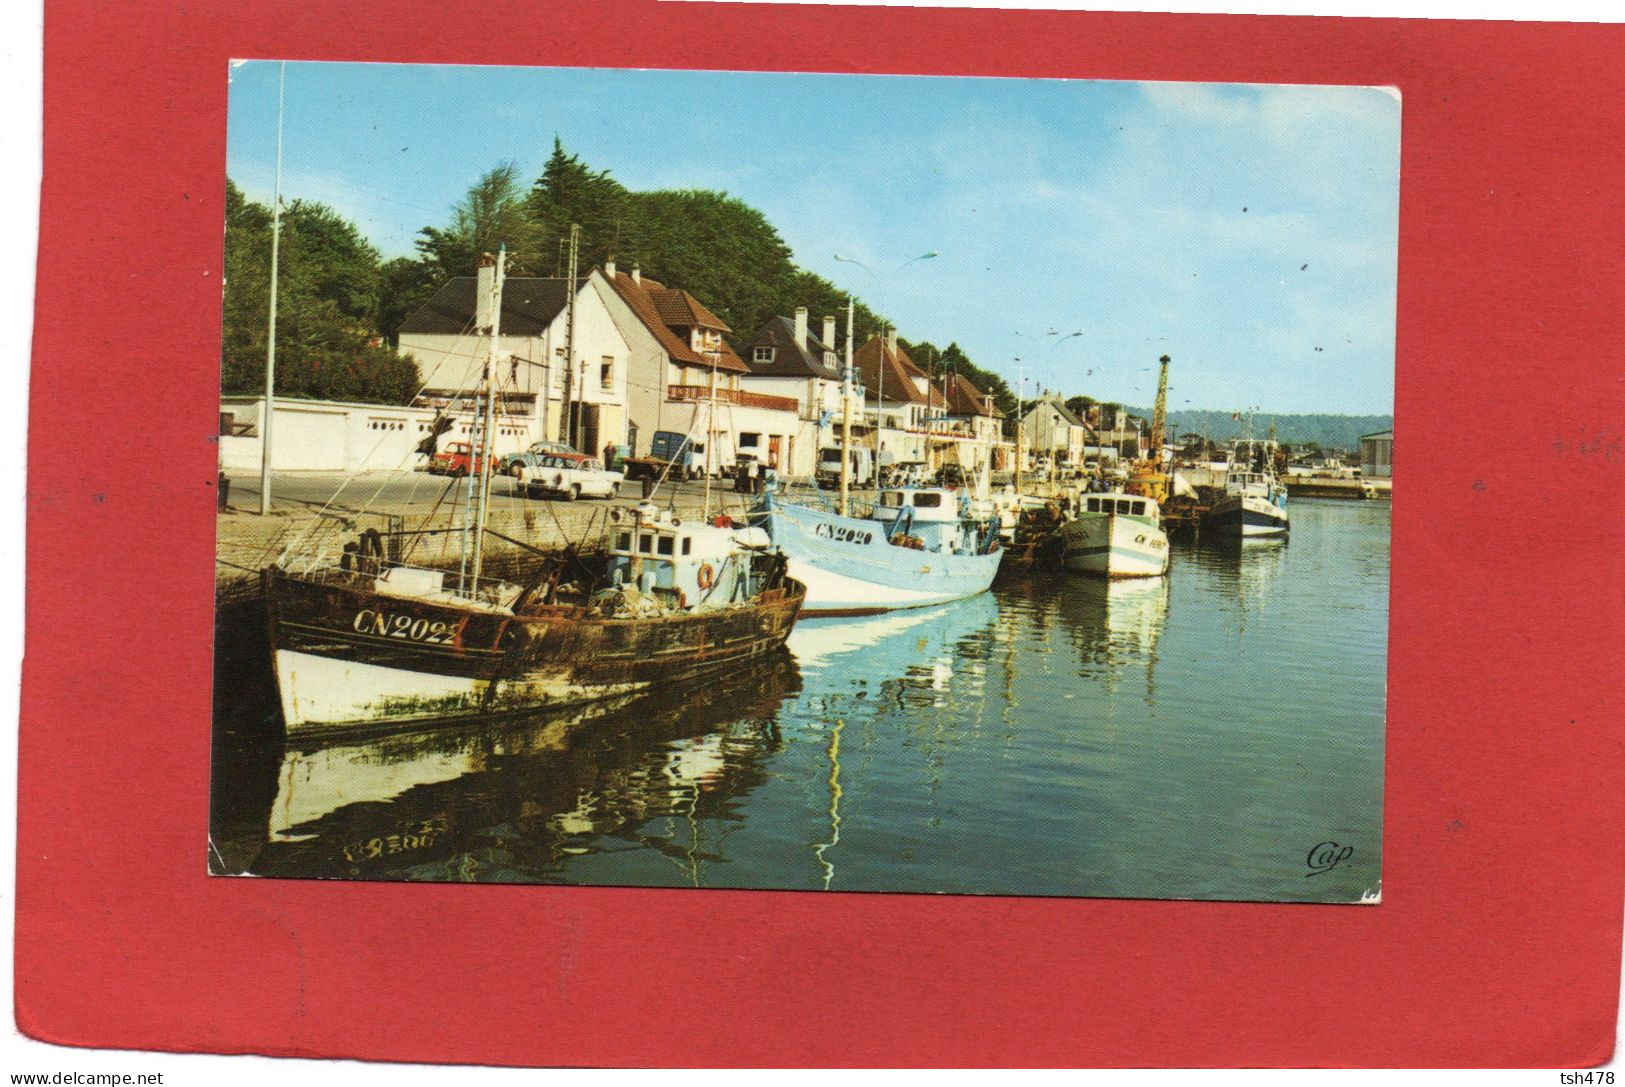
972	433
683	376
900	400
786	359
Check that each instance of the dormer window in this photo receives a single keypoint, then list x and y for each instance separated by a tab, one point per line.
762	354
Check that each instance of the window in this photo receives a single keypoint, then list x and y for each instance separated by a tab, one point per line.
646	544
1094	505
606	373
928	500
623	542
751	441
762	354
688	544
1139	509
1124	505
665	545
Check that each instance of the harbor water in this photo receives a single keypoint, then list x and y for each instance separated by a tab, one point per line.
1215	734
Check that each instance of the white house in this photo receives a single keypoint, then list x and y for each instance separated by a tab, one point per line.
683	376
971	434
563	374
1050	431
1377	455
786	360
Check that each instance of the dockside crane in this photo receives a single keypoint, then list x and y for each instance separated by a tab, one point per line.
1148	477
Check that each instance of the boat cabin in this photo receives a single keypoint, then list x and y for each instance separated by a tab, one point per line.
687	564
1257	484
927	519
1123	505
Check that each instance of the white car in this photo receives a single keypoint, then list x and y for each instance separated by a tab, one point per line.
570	475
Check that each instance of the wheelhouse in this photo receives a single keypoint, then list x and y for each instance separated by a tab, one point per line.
1123	505
687	563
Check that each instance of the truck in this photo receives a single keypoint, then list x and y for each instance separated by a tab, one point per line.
671	456
860	468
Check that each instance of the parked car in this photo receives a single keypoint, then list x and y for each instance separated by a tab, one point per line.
457	459
570	475
510	461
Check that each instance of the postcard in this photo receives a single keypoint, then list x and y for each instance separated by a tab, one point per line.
992	497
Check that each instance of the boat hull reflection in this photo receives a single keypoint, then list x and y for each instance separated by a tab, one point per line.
486	801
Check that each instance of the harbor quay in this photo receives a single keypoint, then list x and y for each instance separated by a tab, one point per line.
303	505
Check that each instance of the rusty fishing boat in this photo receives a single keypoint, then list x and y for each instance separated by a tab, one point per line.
369	642
361	639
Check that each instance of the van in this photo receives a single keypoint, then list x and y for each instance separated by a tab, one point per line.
860	467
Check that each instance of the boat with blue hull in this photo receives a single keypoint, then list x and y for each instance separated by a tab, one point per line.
919	546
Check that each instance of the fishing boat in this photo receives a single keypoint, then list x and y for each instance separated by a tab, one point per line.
360	638
1254	501
918	546
371	642
1031	533
1115	535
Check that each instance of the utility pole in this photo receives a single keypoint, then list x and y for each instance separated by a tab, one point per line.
571	408
711	432
270	341
484	449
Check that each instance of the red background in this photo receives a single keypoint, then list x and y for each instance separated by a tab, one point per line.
1498	939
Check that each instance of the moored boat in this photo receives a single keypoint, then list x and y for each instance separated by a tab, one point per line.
918	546
364	640
1115	535
371	643
1253	504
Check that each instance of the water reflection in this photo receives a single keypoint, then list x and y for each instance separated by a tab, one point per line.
1170	737
514	799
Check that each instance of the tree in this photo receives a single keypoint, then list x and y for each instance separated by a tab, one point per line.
719	249
493	213
571	193
329	292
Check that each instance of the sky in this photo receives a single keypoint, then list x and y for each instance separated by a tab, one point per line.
1248	231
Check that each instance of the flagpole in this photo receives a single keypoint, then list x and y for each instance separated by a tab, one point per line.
270	340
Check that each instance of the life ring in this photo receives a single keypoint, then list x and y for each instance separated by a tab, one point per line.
707	576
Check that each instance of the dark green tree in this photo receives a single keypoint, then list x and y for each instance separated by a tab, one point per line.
570	192
493	213
719	249
328	300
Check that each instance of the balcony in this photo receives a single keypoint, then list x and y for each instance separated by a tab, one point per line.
736	397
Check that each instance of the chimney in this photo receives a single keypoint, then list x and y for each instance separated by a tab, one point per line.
891	340
801	327
484	281
829	332
609	268
637	274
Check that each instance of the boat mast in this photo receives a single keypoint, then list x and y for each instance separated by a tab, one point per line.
711	460
846	412
572	387
483	448
1021	387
